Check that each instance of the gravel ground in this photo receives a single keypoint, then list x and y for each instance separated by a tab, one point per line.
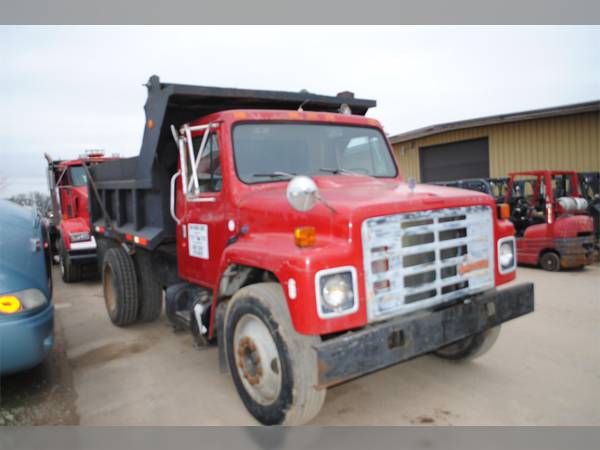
543	370
43	395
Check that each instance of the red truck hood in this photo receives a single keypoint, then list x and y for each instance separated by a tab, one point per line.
352	199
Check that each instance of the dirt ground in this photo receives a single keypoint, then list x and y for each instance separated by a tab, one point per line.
543	370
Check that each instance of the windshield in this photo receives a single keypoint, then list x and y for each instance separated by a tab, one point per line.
265	152
78	177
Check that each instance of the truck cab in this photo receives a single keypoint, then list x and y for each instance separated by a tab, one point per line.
73	244
553	227
278	227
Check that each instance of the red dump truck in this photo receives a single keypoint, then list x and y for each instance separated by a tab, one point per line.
278	227
72	242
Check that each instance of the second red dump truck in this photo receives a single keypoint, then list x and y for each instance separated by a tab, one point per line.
71	238
279	228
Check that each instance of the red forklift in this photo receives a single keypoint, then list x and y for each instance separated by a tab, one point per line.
73	246
553	227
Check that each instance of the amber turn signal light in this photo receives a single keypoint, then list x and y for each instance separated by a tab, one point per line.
503	211
9	304
305	236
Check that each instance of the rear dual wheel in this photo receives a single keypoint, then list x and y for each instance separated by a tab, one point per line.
150	291
274	368
131	290
120	287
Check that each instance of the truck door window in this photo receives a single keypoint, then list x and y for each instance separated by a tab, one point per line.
209	169
78	176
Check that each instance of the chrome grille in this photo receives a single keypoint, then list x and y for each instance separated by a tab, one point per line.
421	259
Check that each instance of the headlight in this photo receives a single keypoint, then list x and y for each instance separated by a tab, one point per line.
79	237
25	300
507	258
337	293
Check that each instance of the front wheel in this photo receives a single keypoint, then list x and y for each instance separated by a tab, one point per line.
70	272
471	347
550	261
274	368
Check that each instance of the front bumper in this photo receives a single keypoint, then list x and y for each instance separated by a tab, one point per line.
575	252
25	341
375	347
83	252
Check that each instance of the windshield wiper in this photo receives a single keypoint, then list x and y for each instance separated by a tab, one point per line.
344	171
274	175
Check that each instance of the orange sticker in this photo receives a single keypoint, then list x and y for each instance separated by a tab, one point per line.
470	267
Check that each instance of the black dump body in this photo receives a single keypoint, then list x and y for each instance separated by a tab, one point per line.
131	195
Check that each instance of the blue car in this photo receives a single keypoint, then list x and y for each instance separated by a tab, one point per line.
26	311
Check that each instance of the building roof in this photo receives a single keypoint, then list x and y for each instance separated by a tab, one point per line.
556	111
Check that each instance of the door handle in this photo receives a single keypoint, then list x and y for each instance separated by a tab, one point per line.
172	197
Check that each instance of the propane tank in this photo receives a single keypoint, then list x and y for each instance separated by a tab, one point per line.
582	204
567	204
573	204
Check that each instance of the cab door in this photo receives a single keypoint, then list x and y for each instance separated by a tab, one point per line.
66	195
202	232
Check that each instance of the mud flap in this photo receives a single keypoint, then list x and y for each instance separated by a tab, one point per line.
220	325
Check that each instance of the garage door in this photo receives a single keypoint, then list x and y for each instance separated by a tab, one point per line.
455	161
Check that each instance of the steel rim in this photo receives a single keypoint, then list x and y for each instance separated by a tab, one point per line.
551	263
257	359
109	296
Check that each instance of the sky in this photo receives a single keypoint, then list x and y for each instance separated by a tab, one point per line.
67	89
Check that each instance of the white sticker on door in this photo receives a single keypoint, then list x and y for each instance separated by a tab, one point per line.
198	240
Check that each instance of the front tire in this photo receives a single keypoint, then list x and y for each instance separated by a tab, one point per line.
120	287
70	272
274	368
471	347
550	261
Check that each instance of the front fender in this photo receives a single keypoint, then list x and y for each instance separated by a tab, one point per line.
278	253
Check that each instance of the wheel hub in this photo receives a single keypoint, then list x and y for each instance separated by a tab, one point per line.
249	361
257	359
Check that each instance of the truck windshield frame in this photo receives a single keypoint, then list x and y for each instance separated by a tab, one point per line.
309	148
